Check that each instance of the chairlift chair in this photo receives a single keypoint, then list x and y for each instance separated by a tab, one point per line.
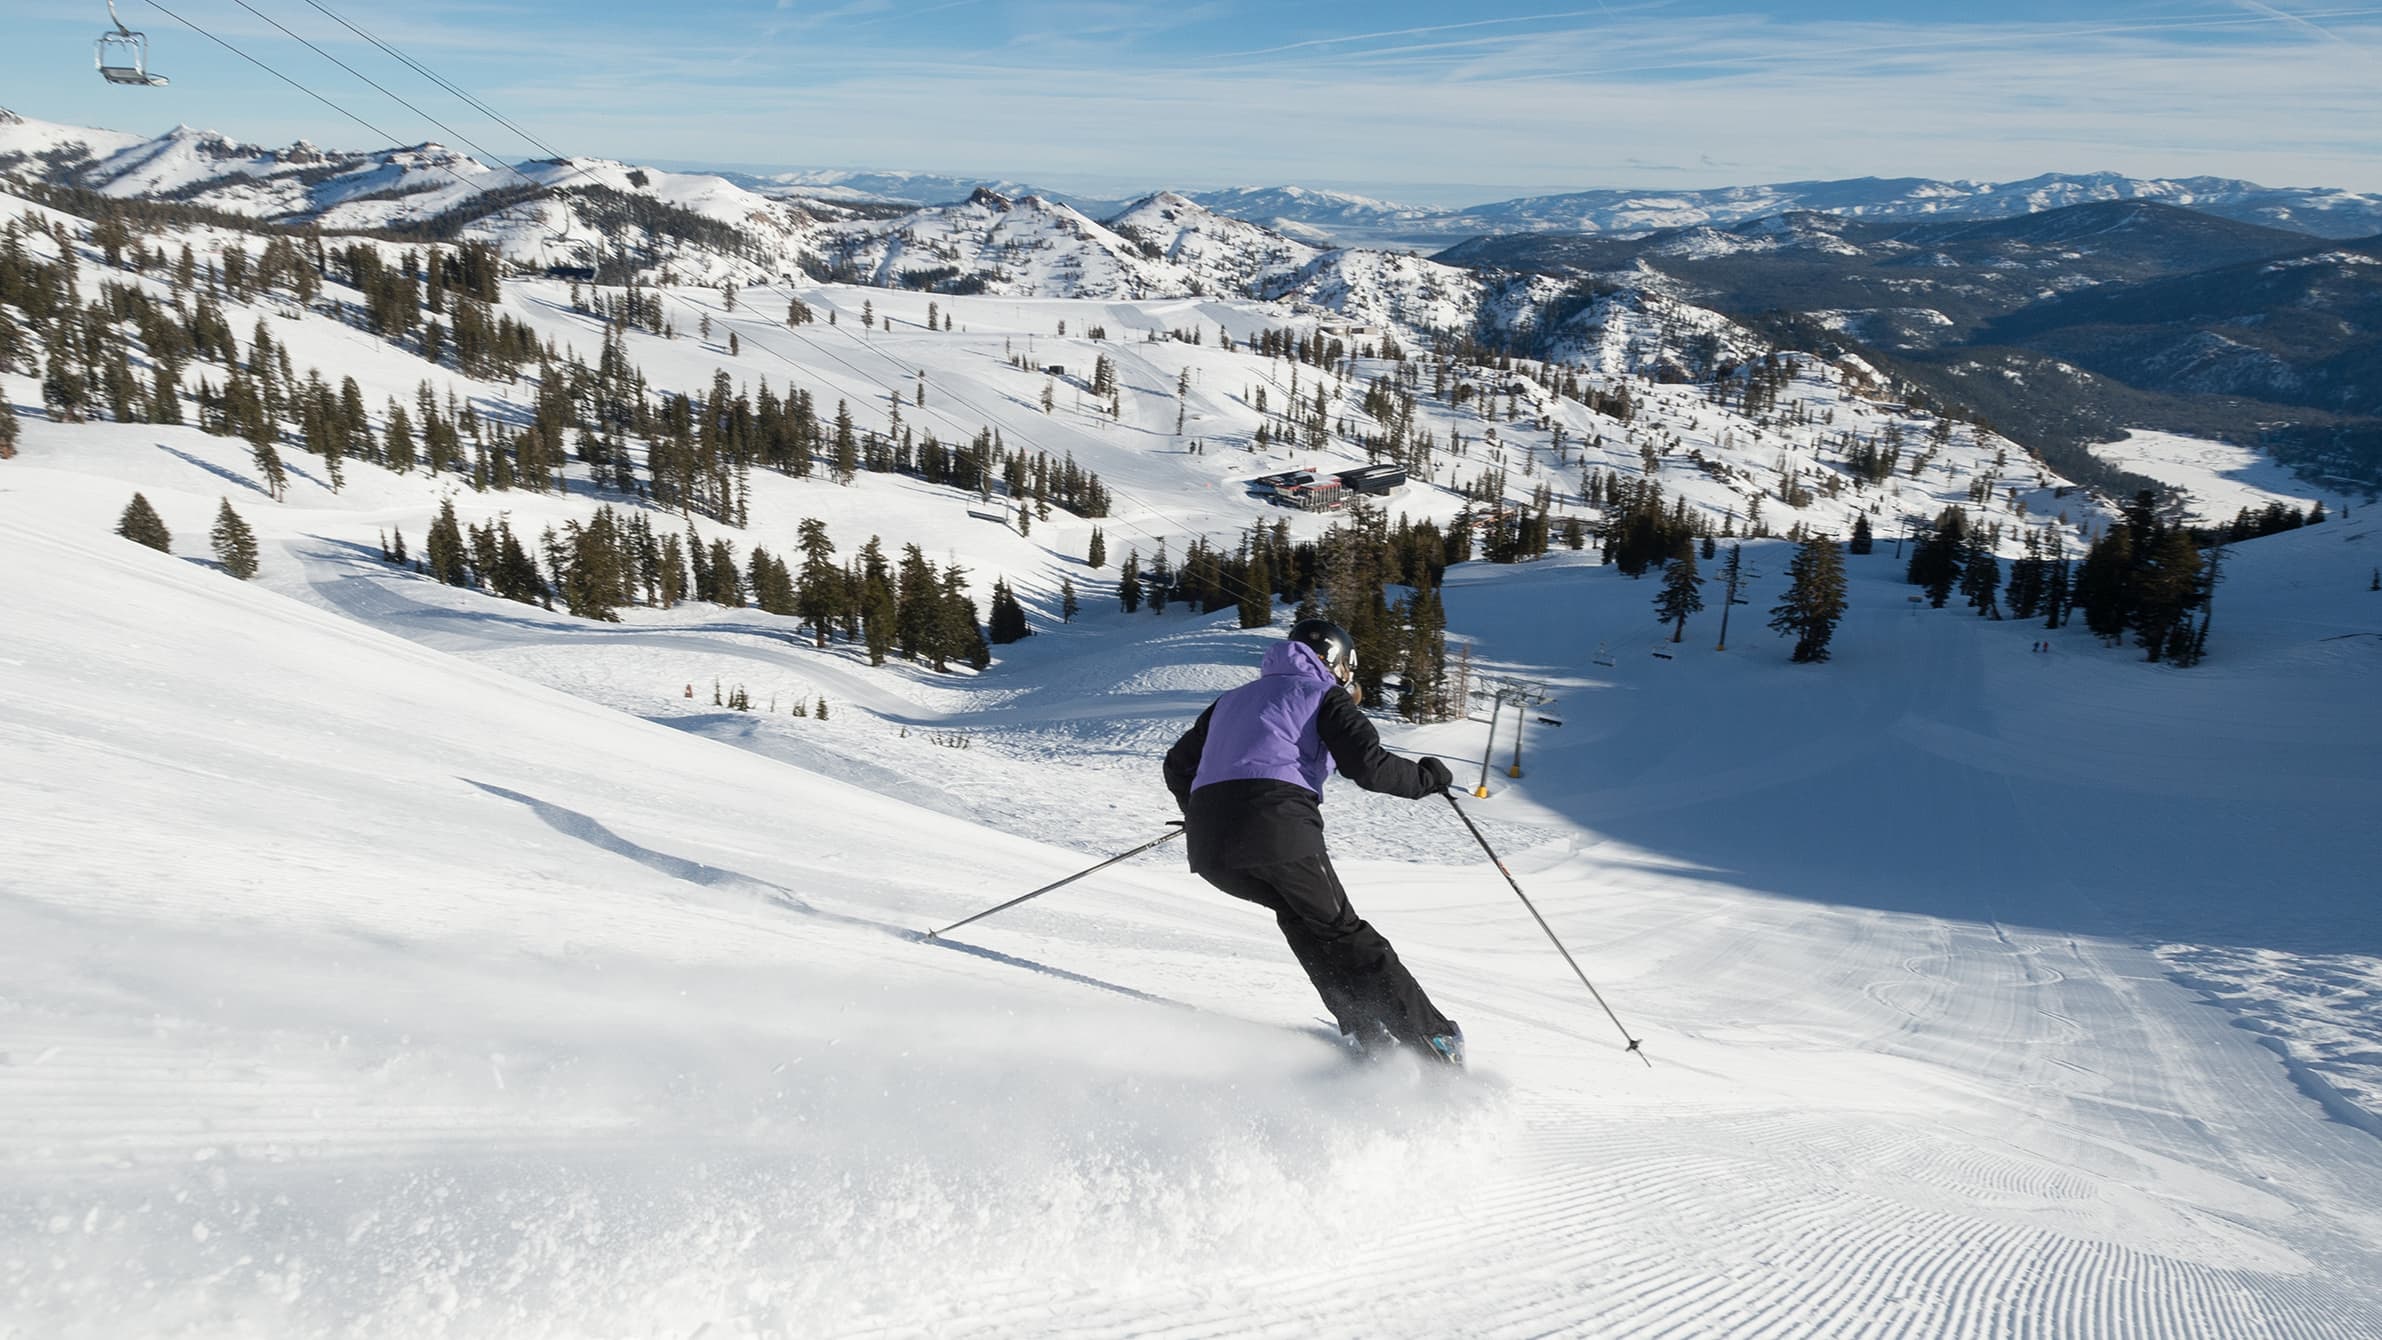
123	56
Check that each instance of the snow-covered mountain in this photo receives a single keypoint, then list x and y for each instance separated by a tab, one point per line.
1897	282
591	213
579	213
1029	247
1226	254
38	148
865	186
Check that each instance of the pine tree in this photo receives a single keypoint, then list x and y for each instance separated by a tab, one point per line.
8	431
268	464
1068	605
1129	584
2025	591
1814	599
601	572
397	446
914	614
1980	577
847	450
672	581
1008	619
2102	582
235	543
1680	595
1257	588
819	595
1935	559
1426	695
1863	541
1098	555
446	551
957	635
2166	588
1732	580
880	612
141	525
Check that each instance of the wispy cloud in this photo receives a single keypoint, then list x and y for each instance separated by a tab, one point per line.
1353	39
1562	97
2282	15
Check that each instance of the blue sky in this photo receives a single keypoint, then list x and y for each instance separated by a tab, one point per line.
1429	102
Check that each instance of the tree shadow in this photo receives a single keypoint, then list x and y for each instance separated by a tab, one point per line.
232	476
585	828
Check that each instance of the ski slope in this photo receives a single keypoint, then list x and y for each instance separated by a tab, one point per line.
361	980
381	958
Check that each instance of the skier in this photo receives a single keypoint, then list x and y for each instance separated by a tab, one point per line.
1249	776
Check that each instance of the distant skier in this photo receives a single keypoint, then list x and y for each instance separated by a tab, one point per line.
1249	776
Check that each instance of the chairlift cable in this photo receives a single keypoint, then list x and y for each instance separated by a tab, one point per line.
434	77
310	46
385	136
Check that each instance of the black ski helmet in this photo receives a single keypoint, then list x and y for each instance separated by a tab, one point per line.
1329	641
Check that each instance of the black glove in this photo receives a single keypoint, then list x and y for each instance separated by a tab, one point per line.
1436	777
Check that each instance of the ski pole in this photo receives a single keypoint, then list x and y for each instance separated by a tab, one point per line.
1171	834
1542	925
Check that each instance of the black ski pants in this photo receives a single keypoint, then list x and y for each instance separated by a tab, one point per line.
1352	966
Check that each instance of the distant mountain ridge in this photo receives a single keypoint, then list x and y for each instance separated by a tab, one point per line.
1328	218
2321	211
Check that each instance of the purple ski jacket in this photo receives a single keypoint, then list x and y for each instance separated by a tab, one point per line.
1249	774
1267	729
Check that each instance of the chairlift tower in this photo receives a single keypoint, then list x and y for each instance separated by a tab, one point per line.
1502	693
123	56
